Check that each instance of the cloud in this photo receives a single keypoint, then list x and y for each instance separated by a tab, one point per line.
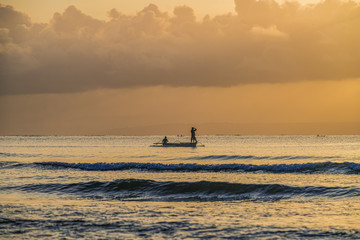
10	18
74	21
263	42
268	33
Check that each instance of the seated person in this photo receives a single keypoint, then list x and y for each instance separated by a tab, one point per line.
165	140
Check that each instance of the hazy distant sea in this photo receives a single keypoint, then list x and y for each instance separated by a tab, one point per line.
105	187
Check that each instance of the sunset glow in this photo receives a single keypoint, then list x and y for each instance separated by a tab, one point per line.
181	119
249	67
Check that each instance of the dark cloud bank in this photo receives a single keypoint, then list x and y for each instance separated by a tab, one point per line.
264	42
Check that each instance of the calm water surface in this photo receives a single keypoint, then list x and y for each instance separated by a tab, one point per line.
235	187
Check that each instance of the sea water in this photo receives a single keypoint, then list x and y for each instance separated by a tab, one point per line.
112	187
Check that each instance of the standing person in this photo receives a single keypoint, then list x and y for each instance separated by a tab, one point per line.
193	138
165	141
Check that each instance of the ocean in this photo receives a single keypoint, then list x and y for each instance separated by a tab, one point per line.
236	187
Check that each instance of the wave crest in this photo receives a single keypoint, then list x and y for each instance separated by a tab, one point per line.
149	190
323	167
253	157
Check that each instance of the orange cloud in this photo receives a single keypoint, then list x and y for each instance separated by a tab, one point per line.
264	42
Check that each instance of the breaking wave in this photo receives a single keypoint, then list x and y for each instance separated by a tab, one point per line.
253	157
149	190
323	167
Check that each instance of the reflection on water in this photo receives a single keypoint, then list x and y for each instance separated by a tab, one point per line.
237	186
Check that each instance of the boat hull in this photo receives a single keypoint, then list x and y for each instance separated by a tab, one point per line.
180	144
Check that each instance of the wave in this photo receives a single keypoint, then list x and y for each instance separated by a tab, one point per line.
26	156
323	167
125	228
149	190
19	155
252	157
12	165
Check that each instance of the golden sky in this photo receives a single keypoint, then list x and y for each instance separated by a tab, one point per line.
119	67
43	10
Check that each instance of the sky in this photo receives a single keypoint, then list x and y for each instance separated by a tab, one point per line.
80	67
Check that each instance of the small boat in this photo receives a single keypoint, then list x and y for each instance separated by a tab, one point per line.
177	144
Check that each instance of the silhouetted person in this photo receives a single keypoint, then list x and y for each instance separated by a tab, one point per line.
193	138
165	140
